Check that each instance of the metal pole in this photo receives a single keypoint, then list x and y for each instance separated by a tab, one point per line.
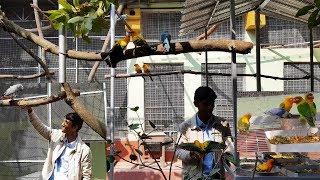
62	52
112	74
206	58
105	100
234	78
311	62
77	70
39	67
258	67
49	118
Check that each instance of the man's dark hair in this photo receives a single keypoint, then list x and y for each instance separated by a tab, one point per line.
204	93
75	119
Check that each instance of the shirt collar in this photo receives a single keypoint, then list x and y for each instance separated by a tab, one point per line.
71	144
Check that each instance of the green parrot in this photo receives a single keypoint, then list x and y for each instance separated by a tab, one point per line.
309	98
305	111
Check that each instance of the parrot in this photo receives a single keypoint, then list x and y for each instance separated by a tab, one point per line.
309	98
266	166
116	53
165	39
305	111
137	69
244	123
146	69
280	112
287	104
10	93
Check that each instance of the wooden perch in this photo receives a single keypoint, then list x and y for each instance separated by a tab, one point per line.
98	126
12	76
35	102
178	47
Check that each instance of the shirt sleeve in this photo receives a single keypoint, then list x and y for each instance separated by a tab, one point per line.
87	166
42	129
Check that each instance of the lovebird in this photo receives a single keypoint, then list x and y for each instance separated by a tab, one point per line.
266	166
146	69
137	68
309	98
305	111
244	123
287	104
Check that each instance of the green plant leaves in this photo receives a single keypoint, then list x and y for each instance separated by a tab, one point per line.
313	19
135	108
81	18
134	126
304	10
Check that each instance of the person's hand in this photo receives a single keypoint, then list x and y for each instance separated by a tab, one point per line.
28	108
195	156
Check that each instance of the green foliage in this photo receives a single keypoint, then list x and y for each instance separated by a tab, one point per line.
81	18
134	126
314	9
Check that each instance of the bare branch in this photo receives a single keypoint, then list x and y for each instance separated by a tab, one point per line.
36	8
35	102
33	76
103	49
37	18
203	73
40	61
82	111
209	32
43	28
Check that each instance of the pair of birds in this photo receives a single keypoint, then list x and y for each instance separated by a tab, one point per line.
117	52
146	68
305	106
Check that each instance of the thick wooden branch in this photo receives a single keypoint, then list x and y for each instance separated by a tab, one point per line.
226	45
10	26
35	102
204	73
98	126
33	76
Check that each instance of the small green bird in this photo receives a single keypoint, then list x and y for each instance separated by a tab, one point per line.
309	98
305	111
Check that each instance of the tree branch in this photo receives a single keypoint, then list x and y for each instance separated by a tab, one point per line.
10	26
98	126
209	32
40	61
42	28
103	49
35	102
33	76
36	8
203	73
37	18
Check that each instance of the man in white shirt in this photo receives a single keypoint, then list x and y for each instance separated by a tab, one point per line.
70	159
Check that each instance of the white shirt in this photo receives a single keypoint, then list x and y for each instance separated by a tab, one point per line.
61	166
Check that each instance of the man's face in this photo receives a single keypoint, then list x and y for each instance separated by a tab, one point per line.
205	106
66	126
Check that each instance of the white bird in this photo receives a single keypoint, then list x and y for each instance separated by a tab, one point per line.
11	91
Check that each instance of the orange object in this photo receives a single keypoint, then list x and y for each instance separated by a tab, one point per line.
251	21
134	19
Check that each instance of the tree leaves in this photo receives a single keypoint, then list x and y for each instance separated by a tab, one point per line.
81	18
304	10
134	126
135	108
313	20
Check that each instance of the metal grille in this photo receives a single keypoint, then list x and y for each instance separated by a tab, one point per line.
164	98
292	69
284	32
222	85
154	23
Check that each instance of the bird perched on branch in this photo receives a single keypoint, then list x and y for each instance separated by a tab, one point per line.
116	53
137	68
146	69
12	91
165	39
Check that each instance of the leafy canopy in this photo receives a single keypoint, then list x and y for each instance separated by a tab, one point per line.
81	18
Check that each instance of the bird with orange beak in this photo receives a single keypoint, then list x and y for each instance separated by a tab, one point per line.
309	98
